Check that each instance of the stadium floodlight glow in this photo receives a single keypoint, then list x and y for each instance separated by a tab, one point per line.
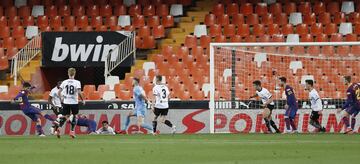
234	66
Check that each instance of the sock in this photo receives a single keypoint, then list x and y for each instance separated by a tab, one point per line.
62	121
127	122
346	121
315	123
147	126
39	129
272	123
267	123
292	123
73	124
353	122
154	125
48	117
168	123
287	123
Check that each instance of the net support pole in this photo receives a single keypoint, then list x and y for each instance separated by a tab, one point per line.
212	91
233	77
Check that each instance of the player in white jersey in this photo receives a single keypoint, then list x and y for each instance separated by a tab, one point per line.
72	90
316	106
268	104
160	106
54	99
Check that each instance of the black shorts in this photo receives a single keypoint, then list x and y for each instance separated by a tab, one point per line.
70	109
271	107
162	112
57	110
314	115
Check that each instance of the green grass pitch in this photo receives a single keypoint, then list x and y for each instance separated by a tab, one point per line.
182	149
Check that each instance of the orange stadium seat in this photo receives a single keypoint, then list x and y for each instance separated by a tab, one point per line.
305	7
167	21
232	9
3	21
78	10
339	17
252	19
281	19
134	10
8	42
102	28
92	11
64	10
96	21
220	38
324	18
321	38
18	32
210	19
95	95
215	30
333	7
287	29
238	19
5	32
277	38
102	88
218	9
261	9
153	21
275	8
69	21
111	21
250	38
289	8
28	21
14	21
229	30
11	52
223	19
4	63
24	11
336	37
267	19
119	10
306	38
162	10
20	42
302	29
158	31
11	11
243	30
351	38
273	29
246	8
51	11
105	10
309	18
330	29
149	10
258	30
144	31
138	21
319	7
205	41
190	41
82	21
149	42
354	18
316	28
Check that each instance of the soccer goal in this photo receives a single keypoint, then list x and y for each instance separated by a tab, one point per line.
234	67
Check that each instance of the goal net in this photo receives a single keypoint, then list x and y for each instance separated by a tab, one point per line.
234	67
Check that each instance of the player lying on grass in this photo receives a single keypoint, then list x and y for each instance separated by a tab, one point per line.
316	106
160	105
351	107
105	129
83	121
140	108
268	105
32	112
291	106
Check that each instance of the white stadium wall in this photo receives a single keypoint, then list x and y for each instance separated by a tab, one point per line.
14	122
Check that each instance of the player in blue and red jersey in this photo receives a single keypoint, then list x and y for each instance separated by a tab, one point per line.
291	106
32	112
82	120
352	104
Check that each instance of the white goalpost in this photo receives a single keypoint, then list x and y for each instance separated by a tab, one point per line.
234	66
